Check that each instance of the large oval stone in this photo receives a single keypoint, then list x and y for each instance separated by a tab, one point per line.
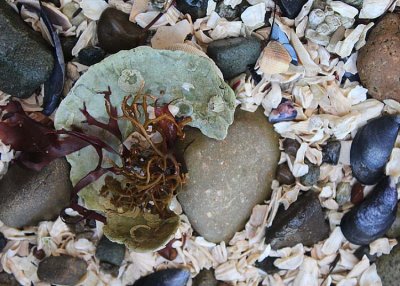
28	197
228	178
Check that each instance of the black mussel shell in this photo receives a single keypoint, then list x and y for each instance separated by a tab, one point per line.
373	217
371	148
167	277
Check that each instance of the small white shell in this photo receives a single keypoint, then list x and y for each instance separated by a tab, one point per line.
93	8
344	9
315	18
253	17
372	9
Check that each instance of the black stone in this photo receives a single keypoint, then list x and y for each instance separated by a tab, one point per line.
8	280
196	8
115	32
312	177
331	152
227	12
290	146
28	197
267	265
3	241
205	278
234	55
91	55
110	252
303	222
291	8
166	277
67	44
63	270
26	60
364	250
284	175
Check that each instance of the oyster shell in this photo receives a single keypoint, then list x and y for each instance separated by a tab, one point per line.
274	59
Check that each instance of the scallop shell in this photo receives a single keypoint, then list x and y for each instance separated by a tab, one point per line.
274	59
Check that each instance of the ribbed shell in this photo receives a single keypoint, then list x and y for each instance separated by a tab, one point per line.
274	59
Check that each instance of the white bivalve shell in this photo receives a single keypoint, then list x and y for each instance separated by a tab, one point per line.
274	59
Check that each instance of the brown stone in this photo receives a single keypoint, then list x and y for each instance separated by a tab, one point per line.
379	60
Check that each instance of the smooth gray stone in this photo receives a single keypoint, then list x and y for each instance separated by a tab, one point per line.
26	60
388	267
303	222
62	270
228	178
28	197
233	55
110	252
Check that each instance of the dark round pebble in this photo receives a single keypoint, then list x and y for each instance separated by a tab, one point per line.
91	55
331	152
110	252
312	177
284	175
3	241
290	146
67	44
39	253
195	8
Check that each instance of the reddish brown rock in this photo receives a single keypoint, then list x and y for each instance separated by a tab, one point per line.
379	60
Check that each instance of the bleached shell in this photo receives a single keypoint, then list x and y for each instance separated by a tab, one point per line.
315	18
343	9
253	17
89	34
57	17
372	9
274	59
139	6
93	8
226	29
232	3
370	277
170	35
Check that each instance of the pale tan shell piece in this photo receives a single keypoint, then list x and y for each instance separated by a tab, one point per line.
188	48
274	59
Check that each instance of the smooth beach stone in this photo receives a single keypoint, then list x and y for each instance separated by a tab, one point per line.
303	222
115	32
234	55
196	8
91	55
378	62
229	175
67	44
331	152
8	279
388	267
284	175
290	146
62	270
205	278
26	60
291	8
343	193
28	197
110	252
311	178
394	231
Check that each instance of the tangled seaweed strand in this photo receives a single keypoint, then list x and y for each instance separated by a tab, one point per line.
152	175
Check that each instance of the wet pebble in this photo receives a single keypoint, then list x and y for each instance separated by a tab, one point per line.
34	196
290	146
343	193
233	55
357	193
196	8
8	279
331	152
388	267
24	55
67	44
284	175
394	230
267	265
63	270
115	32
70	10
312	177
91	55
303	222
110	252
205	278
167	277
291	8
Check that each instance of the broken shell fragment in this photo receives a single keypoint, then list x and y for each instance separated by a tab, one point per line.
371	148
166	277
373	217
274	59
284	112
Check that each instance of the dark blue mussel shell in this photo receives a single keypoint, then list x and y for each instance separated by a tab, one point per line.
373	217
167	277
371	148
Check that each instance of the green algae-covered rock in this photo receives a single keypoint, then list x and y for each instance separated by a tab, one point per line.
190	81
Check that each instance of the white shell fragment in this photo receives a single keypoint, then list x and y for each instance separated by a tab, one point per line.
343	9
253	17
93	8
372	9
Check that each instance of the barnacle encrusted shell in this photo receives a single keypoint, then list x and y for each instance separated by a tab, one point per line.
189	80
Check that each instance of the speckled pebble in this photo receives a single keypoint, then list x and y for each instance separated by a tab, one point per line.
343	193
388	267
312	177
